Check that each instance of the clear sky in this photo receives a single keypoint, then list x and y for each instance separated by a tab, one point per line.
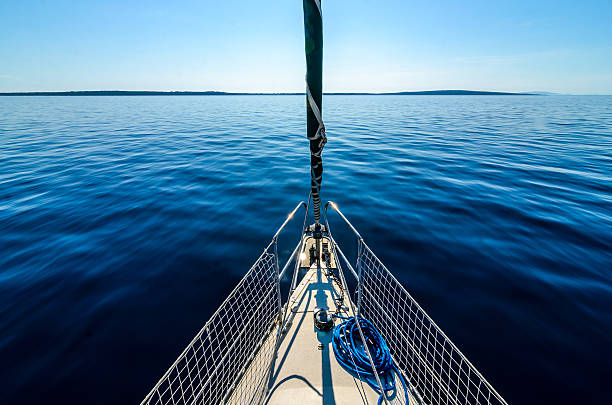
247	45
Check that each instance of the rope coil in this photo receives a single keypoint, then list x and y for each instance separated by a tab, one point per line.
351	353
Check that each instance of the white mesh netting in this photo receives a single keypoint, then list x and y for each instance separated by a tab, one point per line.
237	338
435	368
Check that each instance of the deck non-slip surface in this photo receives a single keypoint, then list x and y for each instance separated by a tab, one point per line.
306	370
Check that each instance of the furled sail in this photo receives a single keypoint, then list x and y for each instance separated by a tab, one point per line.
313	27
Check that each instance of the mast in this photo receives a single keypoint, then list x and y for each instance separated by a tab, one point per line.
315	130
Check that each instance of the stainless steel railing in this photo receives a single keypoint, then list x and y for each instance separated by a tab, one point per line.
230	357
437	371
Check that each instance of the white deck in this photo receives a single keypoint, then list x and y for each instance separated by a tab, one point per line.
305	370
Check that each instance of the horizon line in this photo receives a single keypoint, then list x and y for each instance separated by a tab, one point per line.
215	92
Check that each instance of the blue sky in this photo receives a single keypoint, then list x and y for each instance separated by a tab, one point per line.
247	45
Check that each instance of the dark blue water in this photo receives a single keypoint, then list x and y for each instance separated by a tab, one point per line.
125	221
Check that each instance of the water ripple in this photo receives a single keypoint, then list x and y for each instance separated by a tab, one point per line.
125	221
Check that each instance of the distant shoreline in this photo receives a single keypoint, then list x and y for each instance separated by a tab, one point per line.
223	93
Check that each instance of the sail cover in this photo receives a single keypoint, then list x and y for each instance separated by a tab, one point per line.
313	29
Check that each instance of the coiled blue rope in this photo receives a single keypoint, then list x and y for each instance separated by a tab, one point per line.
351	353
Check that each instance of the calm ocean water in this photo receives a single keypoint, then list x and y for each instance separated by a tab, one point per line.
125	221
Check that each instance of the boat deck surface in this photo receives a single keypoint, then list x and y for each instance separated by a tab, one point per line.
305	370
